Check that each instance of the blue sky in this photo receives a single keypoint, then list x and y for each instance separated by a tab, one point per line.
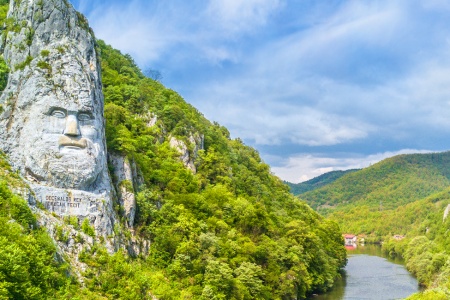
314	86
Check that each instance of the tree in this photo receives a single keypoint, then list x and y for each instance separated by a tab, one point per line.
153	74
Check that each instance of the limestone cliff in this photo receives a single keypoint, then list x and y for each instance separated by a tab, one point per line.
125	179
52	126
446	212
188	151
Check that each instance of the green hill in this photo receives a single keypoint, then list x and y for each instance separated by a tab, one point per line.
425	239
317	182
405	196
386	185
410	219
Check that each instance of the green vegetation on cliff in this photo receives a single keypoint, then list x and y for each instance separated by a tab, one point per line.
425	247
28	268
230	230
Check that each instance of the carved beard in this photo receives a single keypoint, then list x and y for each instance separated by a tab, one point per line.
65	167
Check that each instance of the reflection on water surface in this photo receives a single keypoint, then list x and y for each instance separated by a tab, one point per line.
370	275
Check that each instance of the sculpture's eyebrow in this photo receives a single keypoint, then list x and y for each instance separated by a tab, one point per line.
53	108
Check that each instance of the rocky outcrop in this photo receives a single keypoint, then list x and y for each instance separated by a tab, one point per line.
124	175
188	151
52	125
446	212
152	120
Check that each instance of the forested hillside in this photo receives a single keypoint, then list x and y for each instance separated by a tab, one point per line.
386	185
426	240
317	182
409	219
228	230
223	228
404	196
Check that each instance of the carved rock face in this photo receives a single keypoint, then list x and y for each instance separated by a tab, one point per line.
62	135
53	124
62	148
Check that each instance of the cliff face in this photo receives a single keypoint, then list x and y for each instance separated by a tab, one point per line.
52	125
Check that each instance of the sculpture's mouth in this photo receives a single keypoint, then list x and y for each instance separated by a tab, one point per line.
65	141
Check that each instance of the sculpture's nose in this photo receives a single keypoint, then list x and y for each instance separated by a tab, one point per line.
71	126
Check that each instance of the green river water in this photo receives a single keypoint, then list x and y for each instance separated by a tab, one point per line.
373	276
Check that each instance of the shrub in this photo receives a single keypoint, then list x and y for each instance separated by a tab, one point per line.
45	53
87	228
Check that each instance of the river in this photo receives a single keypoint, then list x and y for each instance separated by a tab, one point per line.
373	276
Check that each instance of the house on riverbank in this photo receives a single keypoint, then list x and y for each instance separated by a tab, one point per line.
350	239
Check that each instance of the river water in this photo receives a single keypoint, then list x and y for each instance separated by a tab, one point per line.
371	275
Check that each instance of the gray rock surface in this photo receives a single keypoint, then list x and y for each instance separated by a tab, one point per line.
52	126
446	212
187	156
124	179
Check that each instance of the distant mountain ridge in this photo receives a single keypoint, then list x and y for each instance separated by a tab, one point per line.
317	182
388	184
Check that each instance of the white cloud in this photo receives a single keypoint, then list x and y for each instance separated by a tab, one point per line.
191	30
136	28
289	89
334	40
268	123
303	167
240	15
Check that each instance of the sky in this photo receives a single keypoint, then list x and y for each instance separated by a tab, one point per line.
314	86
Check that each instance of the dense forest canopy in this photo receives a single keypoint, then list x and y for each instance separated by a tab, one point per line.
28	265
230	230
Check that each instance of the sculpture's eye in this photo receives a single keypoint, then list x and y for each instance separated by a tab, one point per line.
59	114
84	117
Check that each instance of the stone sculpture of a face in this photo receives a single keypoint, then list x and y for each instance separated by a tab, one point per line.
62	143
51	117
61	138
52	125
